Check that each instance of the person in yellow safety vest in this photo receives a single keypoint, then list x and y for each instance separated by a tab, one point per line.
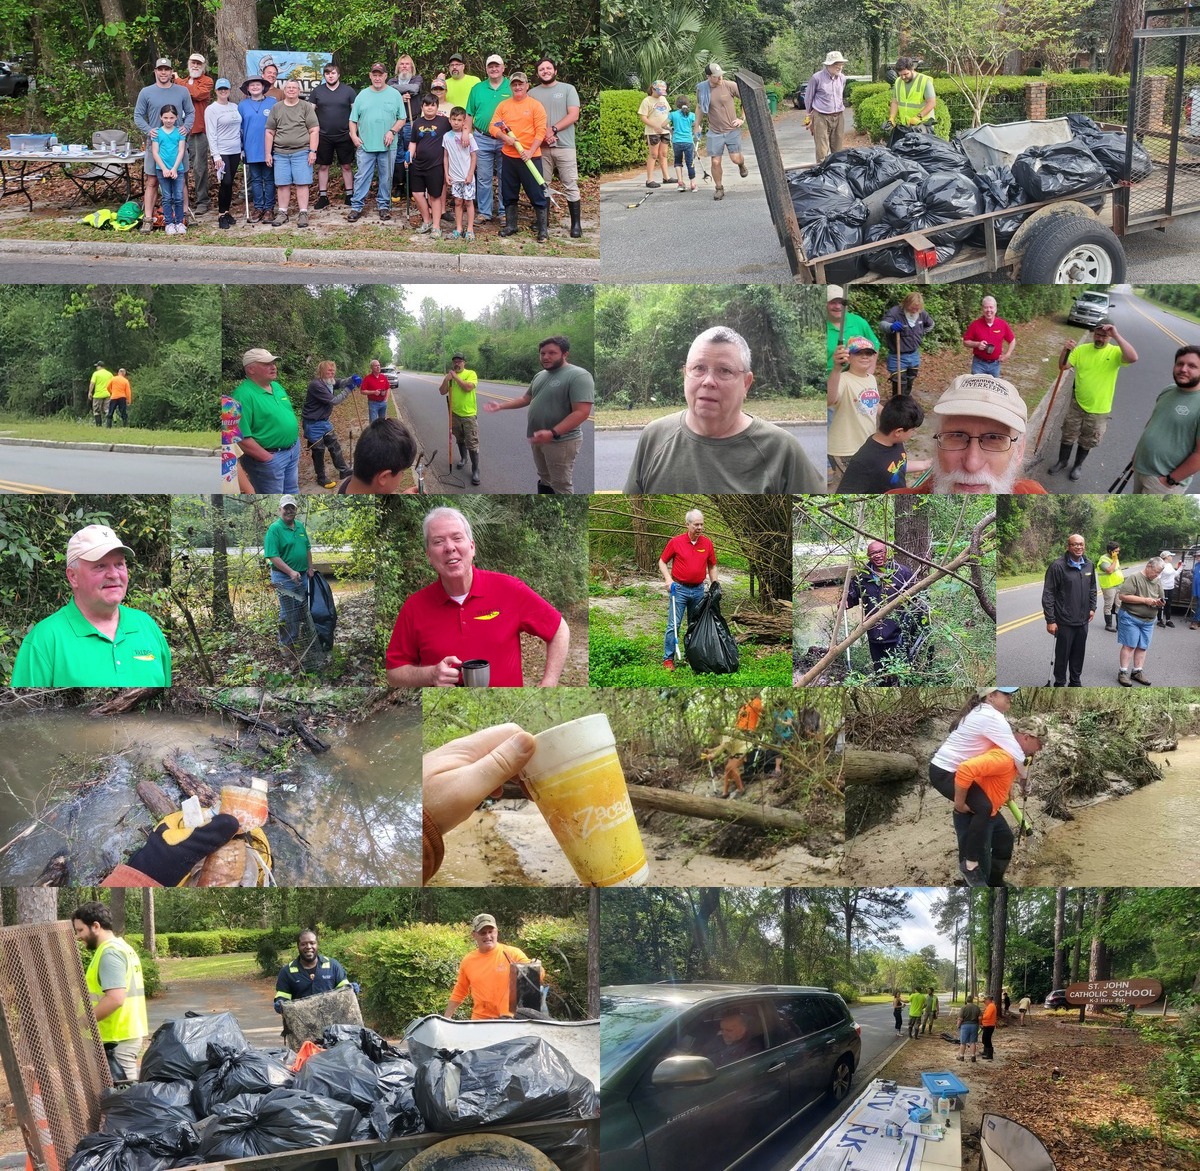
114	982
1109	575
98	392
913	98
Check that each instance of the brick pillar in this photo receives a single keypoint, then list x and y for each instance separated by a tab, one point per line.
1152	101
1035	100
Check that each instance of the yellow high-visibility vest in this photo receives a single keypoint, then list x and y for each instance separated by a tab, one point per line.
130	1020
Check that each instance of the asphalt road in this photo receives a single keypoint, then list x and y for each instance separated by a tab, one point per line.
615	447
69	469
505	458
1025	652
1155	334
1164	257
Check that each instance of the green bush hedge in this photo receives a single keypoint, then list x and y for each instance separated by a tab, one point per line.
587	138
873	111
212	943
622	139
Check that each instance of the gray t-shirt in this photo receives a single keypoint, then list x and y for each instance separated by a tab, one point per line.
1136	585
150	101
670	457
555	99
556	393
1170	435
114	969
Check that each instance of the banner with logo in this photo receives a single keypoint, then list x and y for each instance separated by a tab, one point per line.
302	67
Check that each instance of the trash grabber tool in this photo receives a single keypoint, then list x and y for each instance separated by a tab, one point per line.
534	169
246	189
1118	485
1049	407
899	384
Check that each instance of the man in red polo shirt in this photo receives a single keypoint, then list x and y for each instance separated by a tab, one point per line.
469	613
375	387
990	340
684	563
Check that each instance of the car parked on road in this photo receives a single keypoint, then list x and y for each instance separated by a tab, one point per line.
700	1076
1089	309
392	375
13	83
1057	999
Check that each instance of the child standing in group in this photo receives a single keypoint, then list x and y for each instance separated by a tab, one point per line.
460	173
170	161
683	142
427	165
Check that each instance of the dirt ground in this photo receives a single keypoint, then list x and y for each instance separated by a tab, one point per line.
1060	1082
575	670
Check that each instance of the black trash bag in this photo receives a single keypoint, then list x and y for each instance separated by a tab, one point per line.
512	1081
999	189
933	153
237	1071
178	1051
367	1041
709	646
283	1120
344	1073
395	1113
1060	169
825	234
134	1151
867	168
323	609
898	259
819	195
1109	147
146	1108
935	200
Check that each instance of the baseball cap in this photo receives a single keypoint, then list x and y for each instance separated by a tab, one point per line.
258	354
284	501
92	543
378	67
481	921
715	70
222	83
164	63
458	57
860	345
1031	726
494	59
1166	553
834	293
984	692
518	77
456	357
986	397
198	57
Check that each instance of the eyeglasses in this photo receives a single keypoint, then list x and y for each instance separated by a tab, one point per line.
721	373
959	441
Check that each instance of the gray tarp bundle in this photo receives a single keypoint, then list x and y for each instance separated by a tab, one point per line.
1007	1146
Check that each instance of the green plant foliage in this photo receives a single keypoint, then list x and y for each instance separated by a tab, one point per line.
151	974
622	135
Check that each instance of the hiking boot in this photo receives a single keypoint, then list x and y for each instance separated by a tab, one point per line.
1138	677
384	214
1123	679
302	220
147	226
719	193
669	664
354	216
322	202
742	170
280	219
330	484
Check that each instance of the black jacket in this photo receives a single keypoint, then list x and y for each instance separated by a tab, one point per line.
1069	595
875	588
320	400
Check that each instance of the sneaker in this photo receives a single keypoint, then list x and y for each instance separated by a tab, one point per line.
331	484
302	220
681	187
436	234
1138	677
456	235
169	229
354	216
973	877
280	219
424	226
693	187
181	229
1123	679
719	193
384	215
669	664
322	202
1170	624
742	170
226	221
469	236
147	226
651	183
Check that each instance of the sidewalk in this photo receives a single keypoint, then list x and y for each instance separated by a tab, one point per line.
670	237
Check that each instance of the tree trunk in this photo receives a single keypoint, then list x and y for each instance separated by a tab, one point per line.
789	932
116	908
222	606
1081	899
1060	929
863	767
645	548
37	904
912	532
593	954
999	937
1099	960
237	31
149	935
763	533
114	13
715	809
1127	15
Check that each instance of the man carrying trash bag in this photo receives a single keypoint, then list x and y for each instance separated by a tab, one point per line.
685	561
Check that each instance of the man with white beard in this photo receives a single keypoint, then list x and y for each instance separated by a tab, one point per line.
980	439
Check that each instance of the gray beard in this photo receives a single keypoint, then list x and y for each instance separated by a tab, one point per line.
404	75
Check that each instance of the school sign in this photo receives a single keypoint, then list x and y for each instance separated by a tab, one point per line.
1115	992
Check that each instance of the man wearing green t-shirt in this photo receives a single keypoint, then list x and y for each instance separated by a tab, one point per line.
268	431
1096	368
376	120
99	393
460	83
1168	453
94	641
286	547
460	384
561	396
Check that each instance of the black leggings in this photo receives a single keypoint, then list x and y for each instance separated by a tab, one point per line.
225	191
977	801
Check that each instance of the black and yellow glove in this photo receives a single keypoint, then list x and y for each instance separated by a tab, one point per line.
170	853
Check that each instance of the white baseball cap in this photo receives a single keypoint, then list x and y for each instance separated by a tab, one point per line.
92	543
286	501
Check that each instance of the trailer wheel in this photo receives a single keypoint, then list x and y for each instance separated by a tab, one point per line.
1073	250
481	1152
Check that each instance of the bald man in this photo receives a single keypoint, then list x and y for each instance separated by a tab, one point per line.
1069	604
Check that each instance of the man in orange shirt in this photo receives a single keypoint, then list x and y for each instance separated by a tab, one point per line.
120	396
521	135
483	974
987	1023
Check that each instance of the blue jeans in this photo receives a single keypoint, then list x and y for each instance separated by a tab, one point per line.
278	474
315	432
684	153
983	366
487	166
372	164
293	605
262	185
376	410
686	601
907	361
172	198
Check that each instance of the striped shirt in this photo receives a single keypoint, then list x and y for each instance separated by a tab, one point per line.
824	92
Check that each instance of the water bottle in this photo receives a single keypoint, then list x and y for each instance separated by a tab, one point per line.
53	143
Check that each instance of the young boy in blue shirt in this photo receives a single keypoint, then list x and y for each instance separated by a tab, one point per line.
683	137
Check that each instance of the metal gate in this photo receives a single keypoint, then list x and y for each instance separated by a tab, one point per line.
1164	120
51	1050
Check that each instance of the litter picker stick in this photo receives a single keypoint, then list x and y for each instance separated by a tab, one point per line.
246	190
535	170
1050	406
1118	485
899	369
450	435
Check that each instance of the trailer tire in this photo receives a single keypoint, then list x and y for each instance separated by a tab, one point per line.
480	1152
1073	250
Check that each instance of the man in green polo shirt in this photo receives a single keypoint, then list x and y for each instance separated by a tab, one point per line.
269	432
481	105
1096	368
94	641
460	384
287	548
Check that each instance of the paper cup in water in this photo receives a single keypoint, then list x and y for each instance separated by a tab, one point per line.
577	782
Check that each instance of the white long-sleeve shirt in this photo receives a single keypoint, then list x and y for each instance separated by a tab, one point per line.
223	125
981	730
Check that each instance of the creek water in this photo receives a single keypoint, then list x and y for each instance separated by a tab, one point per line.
351	816
1147	837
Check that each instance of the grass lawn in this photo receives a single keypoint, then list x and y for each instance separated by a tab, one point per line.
875	998
1018	579
775	410
239	965
87	432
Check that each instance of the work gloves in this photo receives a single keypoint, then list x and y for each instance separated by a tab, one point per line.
169	854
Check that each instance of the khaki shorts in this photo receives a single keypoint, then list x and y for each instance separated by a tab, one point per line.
466	431
1083	427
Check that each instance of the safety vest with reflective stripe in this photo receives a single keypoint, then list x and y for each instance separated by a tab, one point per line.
910	97
1106	580
129	1021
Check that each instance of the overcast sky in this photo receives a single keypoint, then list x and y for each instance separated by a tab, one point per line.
471	299
919	931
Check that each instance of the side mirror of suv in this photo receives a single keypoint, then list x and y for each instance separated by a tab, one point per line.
683	1071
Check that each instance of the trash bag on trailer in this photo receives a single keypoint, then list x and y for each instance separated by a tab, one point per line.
999	189
931	202
134	1151
819	195
146	1108
824	234
237	1071
178	1051
365	1040
898	259
709	646
323	609
933	153
344	1073
867	168
266	1124
518	1080
1060	169
395	1112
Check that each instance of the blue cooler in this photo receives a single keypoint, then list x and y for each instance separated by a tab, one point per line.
943	1084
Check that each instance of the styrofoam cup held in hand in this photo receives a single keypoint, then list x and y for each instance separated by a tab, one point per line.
576	780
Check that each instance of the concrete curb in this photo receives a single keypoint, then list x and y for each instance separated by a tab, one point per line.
123	448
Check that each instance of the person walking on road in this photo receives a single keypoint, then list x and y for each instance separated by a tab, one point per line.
1141	601
460	383
1069	605
969	1017
1109	575
990	340
655	113
724	128
1096	368
120	395
1023	1006
1167	579
931	1012
988	1023
916	1008
826	110
913	98
1168	452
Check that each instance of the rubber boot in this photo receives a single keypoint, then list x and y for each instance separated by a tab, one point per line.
462	457
1077	470
544	489
542	219
1108	620
1064	457
318	457
510	221
576	228
474	467
335	454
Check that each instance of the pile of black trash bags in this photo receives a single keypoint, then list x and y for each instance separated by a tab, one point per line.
869	194
207	1095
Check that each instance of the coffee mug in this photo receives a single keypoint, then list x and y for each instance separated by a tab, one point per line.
476	673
